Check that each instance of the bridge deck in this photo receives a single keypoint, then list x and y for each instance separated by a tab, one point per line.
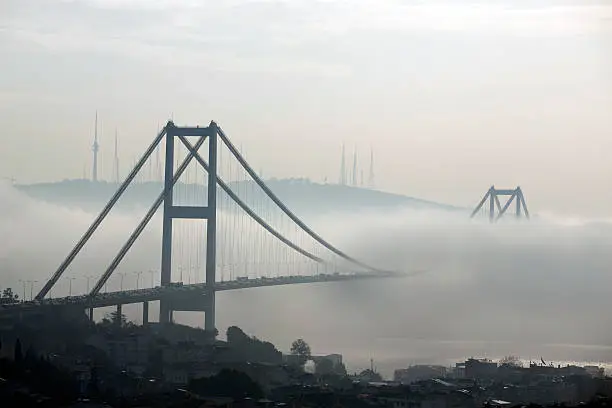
156	293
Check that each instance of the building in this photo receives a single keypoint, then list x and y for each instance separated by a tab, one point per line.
127	351
335	359
480	368
186	352
595	371
419	373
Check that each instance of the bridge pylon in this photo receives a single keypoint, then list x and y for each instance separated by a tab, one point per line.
206	302
208	213
496	211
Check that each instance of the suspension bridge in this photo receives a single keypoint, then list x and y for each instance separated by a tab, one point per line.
239	235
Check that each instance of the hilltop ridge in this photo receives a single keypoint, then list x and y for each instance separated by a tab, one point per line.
301	195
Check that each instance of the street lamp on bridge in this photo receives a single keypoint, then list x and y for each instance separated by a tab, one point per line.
152	273
138	273
70	279
24	289
122	275
32	289
88	277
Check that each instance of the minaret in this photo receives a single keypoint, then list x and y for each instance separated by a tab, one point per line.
116	158
342	169
95	148
371	177
355	167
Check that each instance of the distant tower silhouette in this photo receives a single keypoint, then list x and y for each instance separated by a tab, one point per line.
342	169
116	158
371	176
361	171
95	148
355	167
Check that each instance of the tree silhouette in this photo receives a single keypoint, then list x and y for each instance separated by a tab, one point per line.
235	336
245	348
301	349
116	318
9	295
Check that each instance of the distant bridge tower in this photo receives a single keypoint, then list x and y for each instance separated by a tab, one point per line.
496	211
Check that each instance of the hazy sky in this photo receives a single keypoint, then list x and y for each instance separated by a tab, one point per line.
454	96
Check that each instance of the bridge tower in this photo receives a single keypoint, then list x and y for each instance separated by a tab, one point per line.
496	211
206	301
208	213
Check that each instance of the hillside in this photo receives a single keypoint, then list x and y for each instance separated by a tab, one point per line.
301	195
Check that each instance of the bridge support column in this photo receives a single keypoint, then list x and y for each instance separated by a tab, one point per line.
145	313
119	313
166	255
211	231
91	312
207	213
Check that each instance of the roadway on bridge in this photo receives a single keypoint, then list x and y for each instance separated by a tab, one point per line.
158	292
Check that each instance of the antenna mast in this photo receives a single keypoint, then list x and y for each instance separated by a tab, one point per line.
95	148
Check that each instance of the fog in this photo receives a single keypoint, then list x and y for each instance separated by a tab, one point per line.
537	289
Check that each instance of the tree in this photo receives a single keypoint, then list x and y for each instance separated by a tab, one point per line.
8	295
245	348
301	349
117	319
235	336
511	361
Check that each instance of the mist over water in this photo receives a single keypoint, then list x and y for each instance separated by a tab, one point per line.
537	289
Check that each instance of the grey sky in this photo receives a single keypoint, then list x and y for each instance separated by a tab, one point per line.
453	96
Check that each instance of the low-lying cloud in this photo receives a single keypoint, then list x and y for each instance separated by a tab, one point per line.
534	289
